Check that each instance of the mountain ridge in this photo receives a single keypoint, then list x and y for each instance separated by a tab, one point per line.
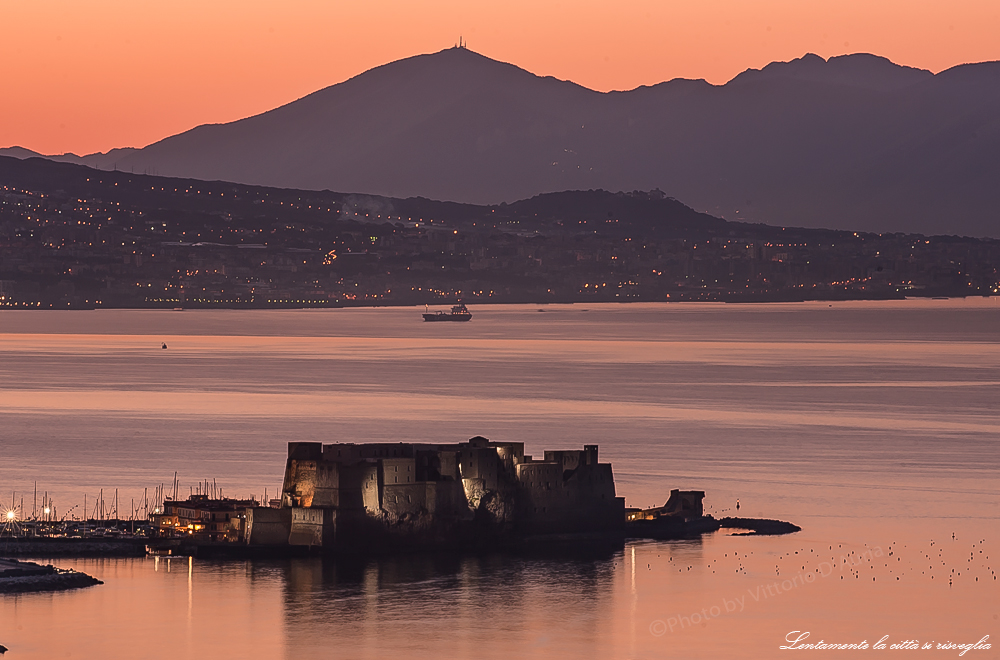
852	141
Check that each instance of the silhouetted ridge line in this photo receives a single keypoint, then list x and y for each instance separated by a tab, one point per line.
854	141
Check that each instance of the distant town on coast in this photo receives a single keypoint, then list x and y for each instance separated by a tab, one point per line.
74	237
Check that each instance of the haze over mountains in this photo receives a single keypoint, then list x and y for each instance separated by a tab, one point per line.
855	142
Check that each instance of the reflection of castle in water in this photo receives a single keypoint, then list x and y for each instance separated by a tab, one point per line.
357	497
411	605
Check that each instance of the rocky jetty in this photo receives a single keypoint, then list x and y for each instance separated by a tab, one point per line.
760	526
22	577
668	528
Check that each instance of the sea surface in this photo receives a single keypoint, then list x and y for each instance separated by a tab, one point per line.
872	425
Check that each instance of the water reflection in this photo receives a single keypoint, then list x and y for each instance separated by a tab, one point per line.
869	424
650	600
462	605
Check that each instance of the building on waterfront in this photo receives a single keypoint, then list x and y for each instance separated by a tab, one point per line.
353	497
202	518
682	504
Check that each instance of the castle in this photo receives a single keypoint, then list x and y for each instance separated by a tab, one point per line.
369	497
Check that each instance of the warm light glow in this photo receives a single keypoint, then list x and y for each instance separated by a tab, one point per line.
11	515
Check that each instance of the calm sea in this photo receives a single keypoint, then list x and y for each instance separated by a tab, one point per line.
873	425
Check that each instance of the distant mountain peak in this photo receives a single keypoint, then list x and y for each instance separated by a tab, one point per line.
862	70
854	140
456	69
453	56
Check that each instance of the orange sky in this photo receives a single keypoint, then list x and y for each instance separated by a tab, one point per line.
89	75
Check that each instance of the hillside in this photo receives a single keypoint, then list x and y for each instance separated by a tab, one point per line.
71	237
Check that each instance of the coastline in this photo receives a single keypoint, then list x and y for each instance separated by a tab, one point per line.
782	297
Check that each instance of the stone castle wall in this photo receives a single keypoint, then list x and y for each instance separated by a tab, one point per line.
375	495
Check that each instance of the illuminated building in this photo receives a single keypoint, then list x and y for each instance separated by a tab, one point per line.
372	497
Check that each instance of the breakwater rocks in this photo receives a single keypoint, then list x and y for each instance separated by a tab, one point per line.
24	577
760	526
72	547
669	528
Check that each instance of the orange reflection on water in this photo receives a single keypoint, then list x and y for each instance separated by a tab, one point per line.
871	425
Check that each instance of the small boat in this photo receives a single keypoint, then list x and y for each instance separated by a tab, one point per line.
458	313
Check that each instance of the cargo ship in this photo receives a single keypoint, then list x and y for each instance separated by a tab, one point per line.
458	313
